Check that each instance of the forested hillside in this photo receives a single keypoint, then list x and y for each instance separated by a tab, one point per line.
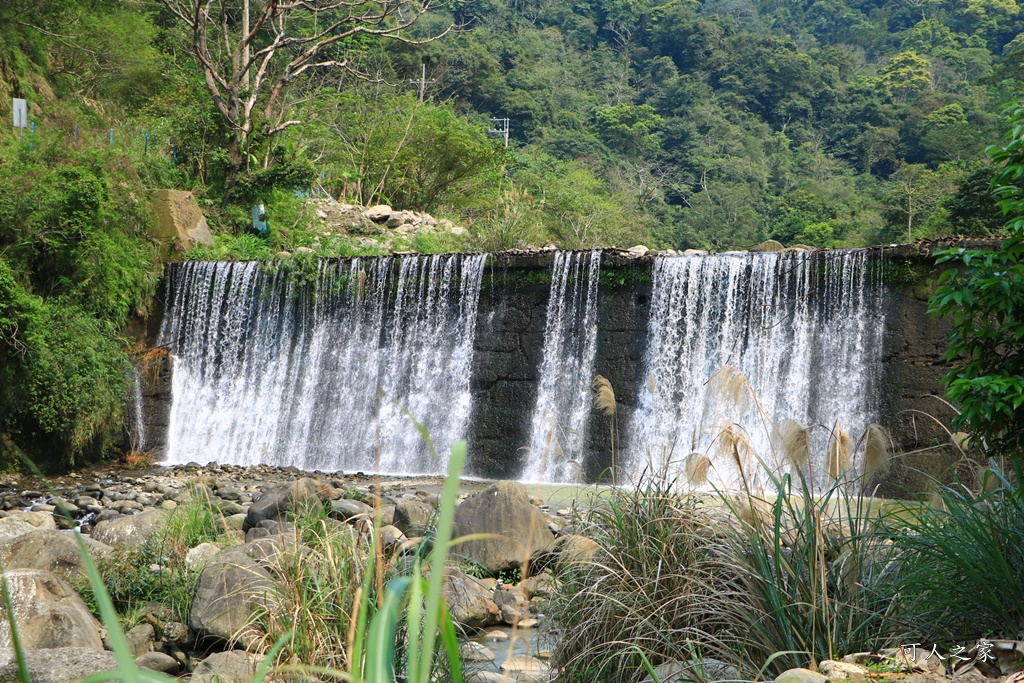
686	124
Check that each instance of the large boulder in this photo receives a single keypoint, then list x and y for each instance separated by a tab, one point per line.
22	523
469	601
233	585
130	531
504	510
413	517
233	666
178	222
279	501
57	665
48	613
53	551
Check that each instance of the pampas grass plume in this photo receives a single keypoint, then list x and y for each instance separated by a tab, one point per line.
604	395
697	466
838	454
876	450
794	442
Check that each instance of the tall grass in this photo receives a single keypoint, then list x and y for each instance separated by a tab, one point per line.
962	564
650	589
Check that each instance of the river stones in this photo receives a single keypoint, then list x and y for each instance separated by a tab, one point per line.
48	612
518	527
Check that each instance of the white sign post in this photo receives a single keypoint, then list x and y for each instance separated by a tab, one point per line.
20	115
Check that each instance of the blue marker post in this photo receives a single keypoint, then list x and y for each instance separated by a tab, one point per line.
76	131
111	137
145	147
32	139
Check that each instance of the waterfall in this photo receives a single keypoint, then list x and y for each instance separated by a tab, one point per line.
558	433
738	341
139	426
335	369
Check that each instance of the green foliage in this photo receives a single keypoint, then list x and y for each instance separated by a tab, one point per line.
962	568
984	297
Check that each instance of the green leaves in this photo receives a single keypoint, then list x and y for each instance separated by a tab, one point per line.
984	296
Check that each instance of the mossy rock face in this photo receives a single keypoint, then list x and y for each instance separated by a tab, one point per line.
178	223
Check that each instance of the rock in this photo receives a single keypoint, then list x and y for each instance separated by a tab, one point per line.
200	556
20	524
475	652
526	669
512	604
141	638
681	672
542	585
346	509
234	666
395	220
277	502
800	676
413	517
503	509
53	551
176	633
130	531
305	250
49	614
57	665
468	600
769	245
392	534
231	586
486	677
695	252
178	222
283	255
158	661
458	231
841	671
638	250
379	213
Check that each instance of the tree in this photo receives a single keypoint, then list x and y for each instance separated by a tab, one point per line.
906	75
251	58
984	296
916	194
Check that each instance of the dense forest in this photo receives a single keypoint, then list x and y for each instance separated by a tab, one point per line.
686	124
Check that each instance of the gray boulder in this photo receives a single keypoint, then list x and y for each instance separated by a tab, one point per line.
130	531
21	523
469	601
800	676
707	670
232	585
53	551
57	665
48	613
345	509
504	510
278	502
413	517
158	661
234	666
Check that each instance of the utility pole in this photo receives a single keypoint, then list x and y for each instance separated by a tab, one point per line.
421	82
503	131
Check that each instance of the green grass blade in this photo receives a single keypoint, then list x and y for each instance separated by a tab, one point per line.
439	557
450	638
380	643
268	661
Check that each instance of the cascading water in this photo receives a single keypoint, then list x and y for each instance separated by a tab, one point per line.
325	373
558	431
737	341
139	424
